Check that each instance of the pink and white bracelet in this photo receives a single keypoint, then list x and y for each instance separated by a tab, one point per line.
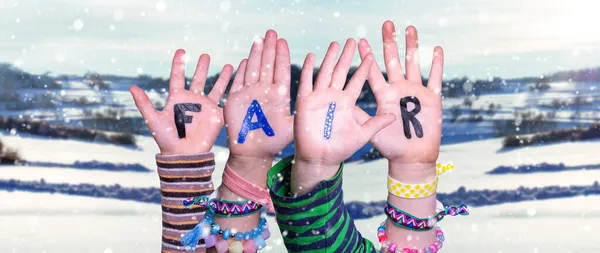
391	247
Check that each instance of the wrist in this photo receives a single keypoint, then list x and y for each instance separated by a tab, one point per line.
252	169
307	173
413	173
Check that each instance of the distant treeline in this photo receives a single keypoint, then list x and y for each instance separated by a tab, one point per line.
573	134
91	165
11	76
541	167
43	128
582	75
357	209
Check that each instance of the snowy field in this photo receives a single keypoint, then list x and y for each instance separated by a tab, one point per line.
43	222
57	223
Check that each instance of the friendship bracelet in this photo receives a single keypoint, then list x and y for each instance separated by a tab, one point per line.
208	230
394	248
245	189
416	191
224	208
405	220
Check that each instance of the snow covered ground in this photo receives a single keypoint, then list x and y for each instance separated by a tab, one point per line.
42	222
48	223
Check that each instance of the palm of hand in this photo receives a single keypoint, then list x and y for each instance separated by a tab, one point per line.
399	141
200	134
203	118
265	78
276	107
309	125
392	142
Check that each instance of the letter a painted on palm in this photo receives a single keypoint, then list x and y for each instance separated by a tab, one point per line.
261	122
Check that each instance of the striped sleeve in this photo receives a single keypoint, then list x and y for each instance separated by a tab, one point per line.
316	221
181	177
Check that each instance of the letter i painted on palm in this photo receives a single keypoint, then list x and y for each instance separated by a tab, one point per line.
261	122
329	121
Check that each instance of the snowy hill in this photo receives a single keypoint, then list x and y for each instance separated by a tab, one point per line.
37	220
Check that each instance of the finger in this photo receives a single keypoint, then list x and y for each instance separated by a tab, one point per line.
267	62
413	72
360	115
199	78
376	124
326	69
390	53
177	80
357	81
306	76
238	80
283	73
437	71
143	103
221	84
376	79
253	65
340	73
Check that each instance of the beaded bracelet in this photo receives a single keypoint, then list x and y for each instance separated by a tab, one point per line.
405	220
225	208
394	248
208	230
415	191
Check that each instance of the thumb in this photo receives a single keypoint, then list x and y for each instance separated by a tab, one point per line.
360	115
375	124
143	103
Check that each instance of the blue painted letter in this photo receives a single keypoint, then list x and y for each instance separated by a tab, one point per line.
261	122
329	121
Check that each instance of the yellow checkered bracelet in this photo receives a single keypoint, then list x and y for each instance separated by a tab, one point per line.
416	191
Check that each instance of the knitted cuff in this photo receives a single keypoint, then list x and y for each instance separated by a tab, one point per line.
182	177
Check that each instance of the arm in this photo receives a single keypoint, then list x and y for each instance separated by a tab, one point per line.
308	195
185	131
411	145
258	121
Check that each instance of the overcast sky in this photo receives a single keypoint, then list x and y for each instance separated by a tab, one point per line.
507	38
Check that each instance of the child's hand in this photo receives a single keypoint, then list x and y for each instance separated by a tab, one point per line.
325	129
406	141
190	121
257	112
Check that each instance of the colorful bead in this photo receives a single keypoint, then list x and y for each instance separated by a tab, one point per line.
392	247
222	246
266	234
226	234
405	250
239	236
382	238
215	229
236	247
260	242
434	248
210	241
249	246
414	251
